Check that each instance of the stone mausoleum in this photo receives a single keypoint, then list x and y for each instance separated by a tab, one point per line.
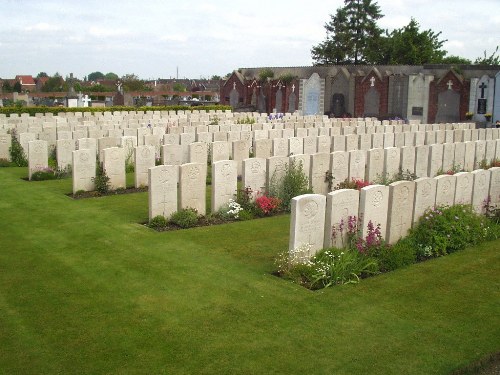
429	93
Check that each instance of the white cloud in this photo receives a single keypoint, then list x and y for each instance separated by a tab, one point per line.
101	32
42	26
174	38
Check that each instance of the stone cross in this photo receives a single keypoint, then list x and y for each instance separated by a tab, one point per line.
482	87
86	100
372	81
293	87
449	84
234	85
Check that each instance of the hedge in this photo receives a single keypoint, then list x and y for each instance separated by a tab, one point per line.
56	110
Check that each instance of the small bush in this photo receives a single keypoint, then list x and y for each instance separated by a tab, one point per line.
267	205
444	230
16	151
353	183
230	211
101	180
157	222
293	183
185	218
327	268
402	254
43	174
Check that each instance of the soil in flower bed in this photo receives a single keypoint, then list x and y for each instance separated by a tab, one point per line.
95	194
204	221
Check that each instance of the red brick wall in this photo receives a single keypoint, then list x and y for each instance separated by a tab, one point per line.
439	85
361	88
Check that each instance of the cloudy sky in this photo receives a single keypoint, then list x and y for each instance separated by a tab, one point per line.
154	38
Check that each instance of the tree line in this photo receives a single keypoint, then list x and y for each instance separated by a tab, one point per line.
354	37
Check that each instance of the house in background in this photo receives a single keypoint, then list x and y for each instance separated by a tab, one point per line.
27	82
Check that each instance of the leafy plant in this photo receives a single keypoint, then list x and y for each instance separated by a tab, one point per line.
43	174
246	120
327	268
402	254
101	180
443	230
353	183
185	218
334	266
265	73
287	78
453	170
294	182
158	222
17	154
231	210
267	205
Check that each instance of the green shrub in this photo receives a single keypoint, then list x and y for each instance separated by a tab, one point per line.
55	110
444	230
402	254
185	218
43	174
101	180
52	162
327	268
63	172
16	151
293	183
246	215
157	222
334	266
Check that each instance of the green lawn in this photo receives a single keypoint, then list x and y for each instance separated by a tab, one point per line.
85	289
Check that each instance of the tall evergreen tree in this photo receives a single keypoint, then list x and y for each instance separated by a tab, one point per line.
350	35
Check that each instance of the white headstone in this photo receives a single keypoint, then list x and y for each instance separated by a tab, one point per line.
320	166
224	183
254	175
5	144
445	190
373	206
144	158
38	156
64	152
374	164
114	167
162	192
83	171
192	182
171	154
339	167
341	215
401	200
307	222
357	163
463	188
425	196
480	189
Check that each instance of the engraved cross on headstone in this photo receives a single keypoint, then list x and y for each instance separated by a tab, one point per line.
372	81
482	87
449	84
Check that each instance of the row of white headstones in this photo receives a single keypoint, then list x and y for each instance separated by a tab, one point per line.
319	221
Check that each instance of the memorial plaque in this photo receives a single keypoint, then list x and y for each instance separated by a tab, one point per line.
481	106
417	111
